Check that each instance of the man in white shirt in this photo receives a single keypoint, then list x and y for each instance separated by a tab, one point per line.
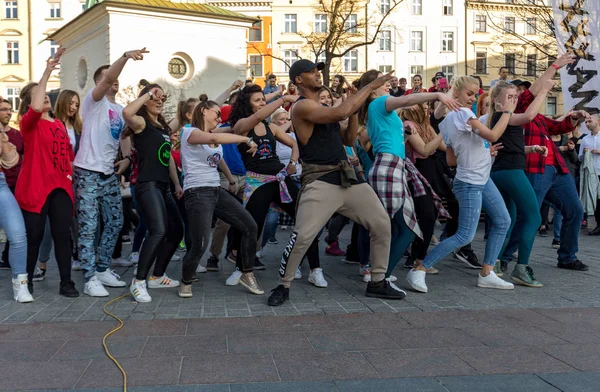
503	75
97	189
591	143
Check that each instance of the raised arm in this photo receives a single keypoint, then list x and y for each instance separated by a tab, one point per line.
393	103
225	94
135	122
199	137
533	109
289	141
245	125
113	72
560	62
492	135
39	92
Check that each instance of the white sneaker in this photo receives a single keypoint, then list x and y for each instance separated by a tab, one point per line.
76	265
316	277
492	281
365	271
139	291
110	278
391	279
94	288
134	257
298	274
234	279
416	279
162	282
121	262
20	291
176	257
201	269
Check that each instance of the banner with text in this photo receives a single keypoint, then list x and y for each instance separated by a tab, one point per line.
577	27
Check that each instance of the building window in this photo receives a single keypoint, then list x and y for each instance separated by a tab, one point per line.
351	24
53	48
531	26
177	68
509	24
385	40
11	11
448	70
84	6
351	61
290	23
531	64
12	96
480	23
447	41
447	7
384	6
481	63
12	52
321	58
417	7
551	106
416	41
256	65
415	70
385	68
290	56
509	62
255	33
550	60
320	23
55	10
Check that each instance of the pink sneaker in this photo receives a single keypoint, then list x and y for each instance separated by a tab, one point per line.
334	249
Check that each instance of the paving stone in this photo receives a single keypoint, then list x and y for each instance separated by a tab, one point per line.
390	385
29	350
582	357
104	373
497	383
231	368
185	345
573	382
432	338
19	375
302	386
84	349
241	342
304	366
369	339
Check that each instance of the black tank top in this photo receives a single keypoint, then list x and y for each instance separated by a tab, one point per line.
265	161
324	147
153	148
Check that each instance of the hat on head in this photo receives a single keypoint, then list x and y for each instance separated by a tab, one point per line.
302	66
440	73
225	112
519	82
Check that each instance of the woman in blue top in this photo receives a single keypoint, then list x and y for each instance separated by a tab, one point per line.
390	174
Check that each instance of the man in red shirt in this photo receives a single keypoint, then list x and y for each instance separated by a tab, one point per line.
549	175
11	174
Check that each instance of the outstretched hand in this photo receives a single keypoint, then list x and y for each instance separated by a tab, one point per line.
136	54
450	103
383	79
53	62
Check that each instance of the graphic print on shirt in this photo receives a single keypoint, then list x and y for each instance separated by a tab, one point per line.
61	150
116	124
265	150
214	159
164	151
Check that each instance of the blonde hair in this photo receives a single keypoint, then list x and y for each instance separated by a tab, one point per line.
277	113
496	92
463	81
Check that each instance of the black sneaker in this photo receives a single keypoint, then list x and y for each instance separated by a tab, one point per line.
272	241
279	295
543	232
4	265
212	264
409	263
596	231
503	266
67	288
575	266
258	265
30	286
384	289
468	257
126	240
555	244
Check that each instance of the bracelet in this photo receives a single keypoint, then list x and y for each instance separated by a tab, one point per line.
556	67
293	162
534	148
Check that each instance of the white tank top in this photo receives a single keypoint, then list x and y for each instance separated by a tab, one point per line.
199	162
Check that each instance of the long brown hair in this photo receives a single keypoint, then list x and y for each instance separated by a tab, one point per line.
183	108
61	109
365	79
25	97
198	116
418	115
143	112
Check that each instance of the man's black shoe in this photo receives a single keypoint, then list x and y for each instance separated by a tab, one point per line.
279	295
212	264
503	266
575	266
596	231
543	232
468	257
4	265
258	265
385	290
67	288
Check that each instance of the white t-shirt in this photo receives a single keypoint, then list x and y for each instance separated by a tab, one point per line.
285	154
591	142
99	143
471	150
72	137
199	162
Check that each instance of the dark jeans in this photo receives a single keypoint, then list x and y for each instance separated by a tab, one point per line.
200	204
160	211
184	217
426	216
336	225
59	209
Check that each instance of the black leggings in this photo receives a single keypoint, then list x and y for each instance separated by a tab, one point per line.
161	215
59	209
426	216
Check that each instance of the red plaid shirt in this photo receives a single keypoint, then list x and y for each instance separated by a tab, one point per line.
538	132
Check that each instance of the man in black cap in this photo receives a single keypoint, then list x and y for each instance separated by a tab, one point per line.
522	85
436	82
329	184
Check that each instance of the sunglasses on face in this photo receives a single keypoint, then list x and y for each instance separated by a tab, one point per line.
216	111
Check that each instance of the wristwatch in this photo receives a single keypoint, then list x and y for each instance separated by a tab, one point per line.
150	94
508	111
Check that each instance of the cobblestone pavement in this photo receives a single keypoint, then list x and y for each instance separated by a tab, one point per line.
453	288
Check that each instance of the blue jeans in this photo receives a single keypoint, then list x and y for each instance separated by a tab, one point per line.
557	223
11	219
270	227
471	198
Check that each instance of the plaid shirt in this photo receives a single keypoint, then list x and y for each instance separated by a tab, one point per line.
538	132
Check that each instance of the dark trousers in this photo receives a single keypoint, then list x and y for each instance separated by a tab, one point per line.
59	209
161	214
426	216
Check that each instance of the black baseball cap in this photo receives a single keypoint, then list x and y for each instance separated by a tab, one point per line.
519	82
302	66
439	73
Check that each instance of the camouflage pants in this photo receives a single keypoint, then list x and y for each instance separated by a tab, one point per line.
97	195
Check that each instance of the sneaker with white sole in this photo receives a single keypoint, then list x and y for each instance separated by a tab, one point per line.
248	280
316	277
139	290
39	275
392	278
201	269
76	265
134	257
492	281
20	290
162	282
110	278
396	287
365	271
234	279
121	262
298	274
95	288
185	290
416	280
